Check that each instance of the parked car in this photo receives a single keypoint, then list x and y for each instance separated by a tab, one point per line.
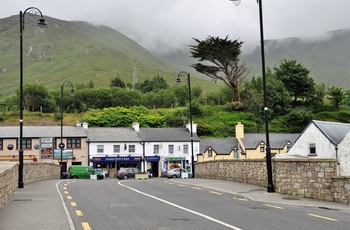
176	173
83	172
126	173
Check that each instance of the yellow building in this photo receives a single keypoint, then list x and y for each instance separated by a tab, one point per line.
245	146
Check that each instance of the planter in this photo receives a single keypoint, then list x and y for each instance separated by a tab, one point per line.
141	176
93	176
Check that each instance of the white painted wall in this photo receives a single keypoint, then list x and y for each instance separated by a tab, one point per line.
344	156
324	148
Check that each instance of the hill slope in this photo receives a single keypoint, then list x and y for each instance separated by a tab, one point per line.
75	51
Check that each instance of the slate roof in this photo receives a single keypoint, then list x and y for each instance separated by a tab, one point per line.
42	131
277	140
334	131
111	134
167	135
220	145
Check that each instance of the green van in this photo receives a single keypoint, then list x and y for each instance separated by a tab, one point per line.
83	172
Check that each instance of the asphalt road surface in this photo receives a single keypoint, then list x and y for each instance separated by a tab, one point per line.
160	203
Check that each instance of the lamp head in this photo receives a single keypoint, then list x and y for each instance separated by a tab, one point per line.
178	81
42	22
72	92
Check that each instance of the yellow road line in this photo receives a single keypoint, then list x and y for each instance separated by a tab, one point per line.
273	206
79	213
322	217
217	193
65	185
197	188
66	192
69	197
64	188
86	226
241	199
73	204
181	185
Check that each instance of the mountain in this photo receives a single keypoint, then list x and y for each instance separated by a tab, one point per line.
78	52
327	57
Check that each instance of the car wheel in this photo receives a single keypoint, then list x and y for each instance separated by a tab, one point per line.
174	176
99	178
125	177
74	177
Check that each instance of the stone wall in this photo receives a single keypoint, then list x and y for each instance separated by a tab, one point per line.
32	172
309	178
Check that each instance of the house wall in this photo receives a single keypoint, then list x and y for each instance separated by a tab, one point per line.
343	155
324	148
310	178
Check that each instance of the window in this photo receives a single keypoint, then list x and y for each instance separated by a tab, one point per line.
116	148
312	147
236	153
156	149
74	143
100	148
171	149
262	148
1	144
26	143
289	145
210	152
186	148
131	148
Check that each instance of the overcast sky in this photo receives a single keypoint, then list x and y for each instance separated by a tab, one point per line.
159	24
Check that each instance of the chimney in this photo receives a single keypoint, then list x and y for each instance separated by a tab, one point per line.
239	130
85	125
136	126
194	127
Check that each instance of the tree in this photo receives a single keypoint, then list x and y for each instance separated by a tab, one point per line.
224	55
117	82
156	84
296	79
36	96
320	92
336	96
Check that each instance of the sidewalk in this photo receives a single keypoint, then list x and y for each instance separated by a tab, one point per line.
36	206
257	193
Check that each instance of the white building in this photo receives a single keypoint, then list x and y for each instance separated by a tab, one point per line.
322	139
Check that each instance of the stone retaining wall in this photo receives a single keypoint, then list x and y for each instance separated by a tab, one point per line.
32	172
309	178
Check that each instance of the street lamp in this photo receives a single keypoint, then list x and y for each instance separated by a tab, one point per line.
270	186
61	145
31	11
178	81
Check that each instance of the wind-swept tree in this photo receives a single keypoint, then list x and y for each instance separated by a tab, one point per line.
223	54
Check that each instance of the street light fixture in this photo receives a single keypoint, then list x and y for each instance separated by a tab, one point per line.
178	81
62	145
270	186
31	11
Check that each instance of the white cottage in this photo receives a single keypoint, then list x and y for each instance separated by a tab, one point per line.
321	139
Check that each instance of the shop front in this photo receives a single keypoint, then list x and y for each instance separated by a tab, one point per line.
110	165
153	165
175	162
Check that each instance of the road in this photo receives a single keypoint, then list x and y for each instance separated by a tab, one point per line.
160	203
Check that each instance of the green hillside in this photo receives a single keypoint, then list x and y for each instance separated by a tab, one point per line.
78	52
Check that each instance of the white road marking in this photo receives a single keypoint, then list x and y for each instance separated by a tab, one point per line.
183	208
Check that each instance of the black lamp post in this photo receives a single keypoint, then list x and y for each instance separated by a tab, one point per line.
270	186
62	145
178	81
31	11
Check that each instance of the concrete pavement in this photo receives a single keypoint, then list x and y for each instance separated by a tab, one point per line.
40	205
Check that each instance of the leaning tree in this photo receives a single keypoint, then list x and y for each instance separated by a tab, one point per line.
223	54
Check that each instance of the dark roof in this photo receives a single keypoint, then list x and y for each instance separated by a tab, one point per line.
277	140
112	134
219	145
334	131
167	135
42	131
